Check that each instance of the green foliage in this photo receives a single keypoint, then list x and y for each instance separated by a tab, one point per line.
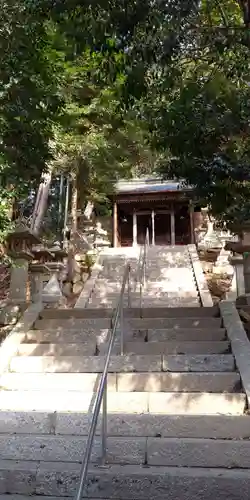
198	112
107	89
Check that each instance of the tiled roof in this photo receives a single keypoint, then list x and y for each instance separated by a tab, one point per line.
147	185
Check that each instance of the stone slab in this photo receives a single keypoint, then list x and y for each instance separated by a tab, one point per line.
18	476
201	282
193	347
71	448
175	452
181	426
185	334
14	422
82	382
174	323
61	336
196	403
199	363
239	342
36	497
72	324
58	349
84	313
130	323
186	312
73	401
80	364
178	382
10	345
138	483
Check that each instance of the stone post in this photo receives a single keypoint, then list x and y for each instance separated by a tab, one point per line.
134	229
237	263
172	225
115	224
153	227
245	240
191	215
57	266
37	273
38	270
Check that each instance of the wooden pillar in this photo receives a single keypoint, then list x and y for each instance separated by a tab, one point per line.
134	228
153	226
115	225
191	215
172	225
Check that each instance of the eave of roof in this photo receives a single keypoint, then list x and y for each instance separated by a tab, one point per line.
149	185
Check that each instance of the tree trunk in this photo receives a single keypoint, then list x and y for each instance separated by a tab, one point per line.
74	206
71	259
41	202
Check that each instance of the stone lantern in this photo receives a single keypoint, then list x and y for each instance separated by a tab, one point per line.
19	247
38	269
56	264
241	263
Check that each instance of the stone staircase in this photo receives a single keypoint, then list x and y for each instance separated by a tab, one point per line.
176	423
170	278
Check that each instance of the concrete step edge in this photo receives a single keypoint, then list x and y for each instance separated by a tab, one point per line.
145	425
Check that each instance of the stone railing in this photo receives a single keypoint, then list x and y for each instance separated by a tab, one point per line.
201	282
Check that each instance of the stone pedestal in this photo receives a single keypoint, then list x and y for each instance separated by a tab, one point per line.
237	263
20	243
222	265
39	270
52	293
37	273
246	272
56	268
19	281
243	249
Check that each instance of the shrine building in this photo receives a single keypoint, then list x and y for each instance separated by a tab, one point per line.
164	207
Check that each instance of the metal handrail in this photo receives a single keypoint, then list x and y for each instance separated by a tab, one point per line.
138	270
143	266
101	397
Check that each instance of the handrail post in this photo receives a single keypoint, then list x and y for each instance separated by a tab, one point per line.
104	423
129	287
101	397
122	326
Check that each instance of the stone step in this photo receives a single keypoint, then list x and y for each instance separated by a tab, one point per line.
159	323
149	312
124	382
171	452
126	363
202	347
163	295
61	336
58	349
167	403
124	482
76	313
83	382
179	382
38	497
75	336
151	425
174	452
181	334
172	302
199	363
120	450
